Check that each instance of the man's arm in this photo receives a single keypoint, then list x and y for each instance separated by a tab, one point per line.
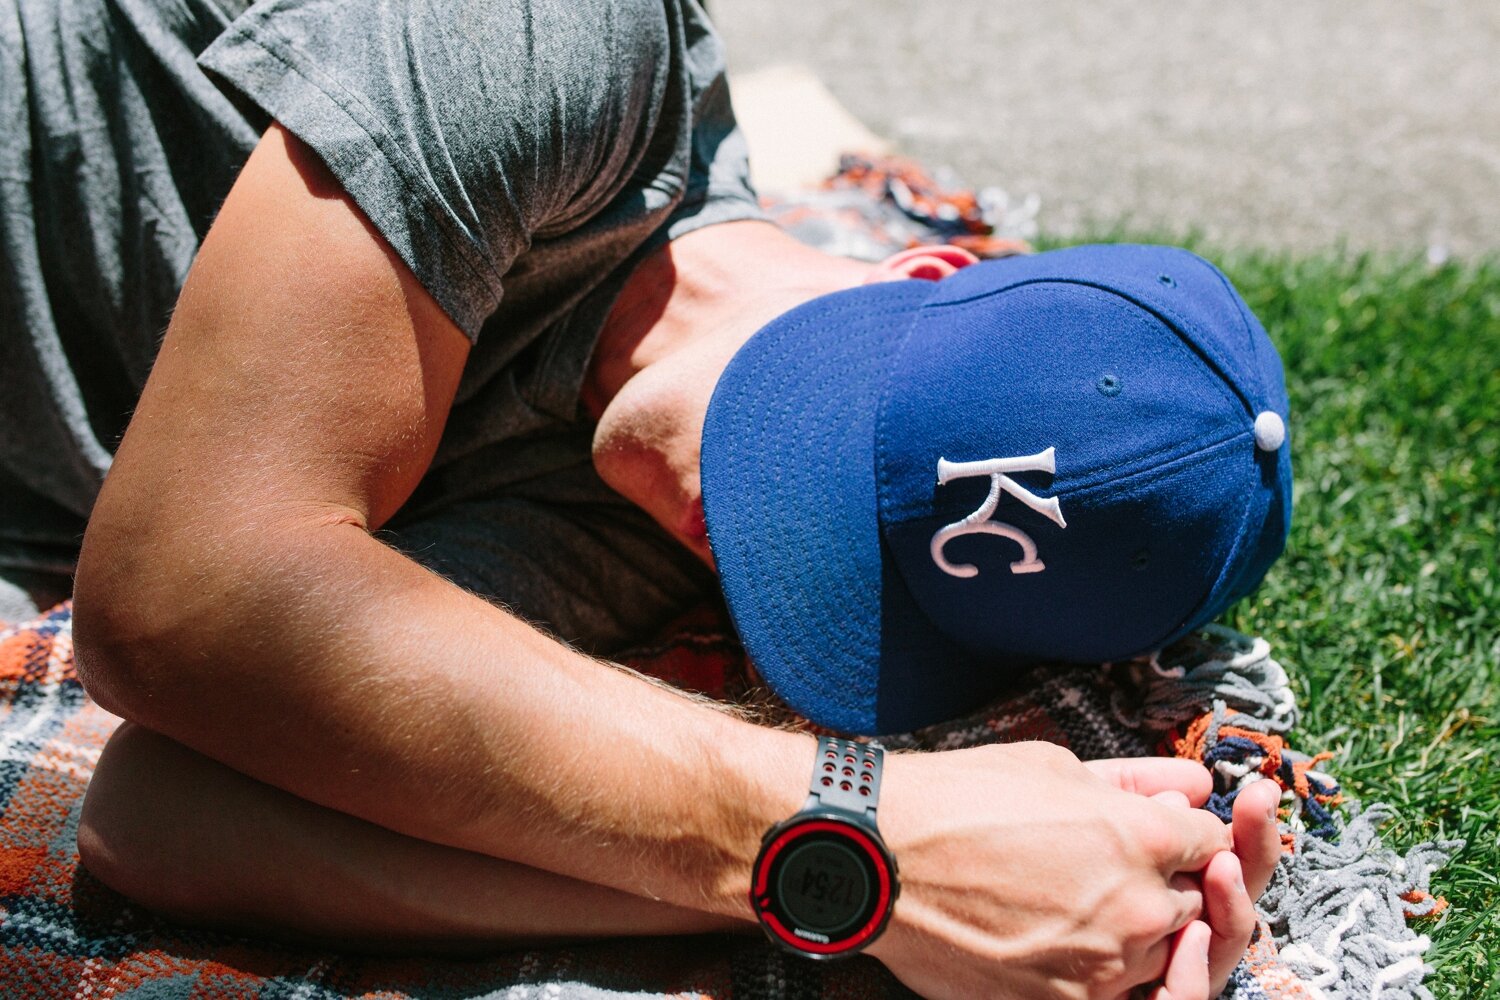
199	842
231	597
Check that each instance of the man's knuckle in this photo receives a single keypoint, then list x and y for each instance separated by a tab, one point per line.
1148	923
1103	974
1045	755
1155	835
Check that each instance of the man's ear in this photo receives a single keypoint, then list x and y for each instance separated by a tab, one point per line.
932	263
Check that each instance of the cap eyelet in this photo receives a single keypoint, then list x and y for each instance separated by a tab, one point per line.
1108	384
1167	280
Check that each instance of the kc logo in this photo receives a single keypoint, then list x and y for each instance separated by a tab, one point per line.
979	523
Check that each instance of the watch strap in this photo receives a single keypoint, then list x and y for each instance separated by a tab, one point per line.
846	776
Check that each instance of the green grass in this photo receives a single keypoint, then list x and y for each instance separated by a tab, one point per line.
1384	608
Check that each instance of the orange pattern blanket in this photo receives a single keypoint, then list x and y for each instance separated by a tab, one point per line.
1217	697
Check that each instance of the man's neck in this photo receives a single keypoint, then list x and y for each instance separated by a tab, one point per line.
723	281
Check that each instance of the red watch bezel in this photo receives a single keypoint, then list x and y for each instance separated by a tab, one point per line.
864	839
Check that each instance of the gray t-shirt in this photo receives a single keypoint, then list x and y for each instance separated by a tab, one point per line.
520	156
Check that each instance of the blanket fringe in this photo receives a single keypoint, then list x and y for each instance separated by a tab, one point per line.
1338	909
1339	901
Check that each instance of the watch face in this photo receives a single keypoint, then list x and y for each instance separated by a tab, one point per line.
823	884
823	887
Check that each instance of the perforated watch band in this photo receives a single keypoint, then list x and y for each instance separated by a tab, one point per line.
846	776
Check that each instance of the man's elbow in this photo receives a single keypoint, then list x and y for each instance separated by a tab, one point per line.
138	628
164	616
116	649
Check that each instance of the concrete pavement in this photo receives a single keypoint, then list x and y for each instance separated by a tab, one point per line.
1277	124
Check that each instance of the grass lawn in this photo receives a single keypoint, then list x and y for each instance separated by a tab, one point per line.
1386	607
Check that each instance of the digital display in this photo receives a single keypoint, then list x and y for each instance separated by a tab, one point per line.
824	885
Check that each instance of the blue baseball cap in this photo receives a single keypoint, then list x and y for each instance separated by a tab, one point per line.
915	489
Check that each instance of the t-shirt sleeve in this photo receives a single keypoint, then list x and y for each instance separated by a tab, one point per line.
459	127
718	188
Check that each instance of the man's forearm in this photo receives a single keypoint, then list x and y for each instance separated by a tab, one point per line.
194	840
314	658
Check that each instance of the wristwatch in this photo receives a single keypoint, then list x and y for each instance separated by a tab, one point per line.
824	883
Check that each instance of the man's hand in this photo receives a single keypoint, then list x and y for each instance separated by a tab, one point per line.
1027	874
1231	882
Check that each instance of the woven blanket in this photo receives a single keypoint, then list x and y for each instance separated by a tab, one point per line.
875	206
1335	920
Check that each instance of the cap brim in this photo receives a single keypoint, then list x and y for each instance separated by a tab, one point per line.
789	495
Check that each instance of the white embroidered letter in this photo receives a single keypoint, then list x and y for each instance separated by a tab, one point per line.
979	523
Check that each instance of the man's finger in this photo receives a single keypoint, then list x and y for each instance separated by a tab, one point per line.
1187	975
1196	836
1257	842
1172	797
1151	775
1230	917
1187	896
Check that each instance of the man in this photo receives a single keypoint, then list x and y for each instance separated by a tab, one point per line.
483	260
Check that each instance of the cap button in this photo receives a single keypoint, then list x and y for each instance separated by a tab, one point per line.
1270	432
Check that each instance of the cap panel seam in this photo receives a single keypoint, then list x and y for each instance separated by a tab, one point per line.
1182	343
1149	466
1231	562
879	453
782	335
754	611
1170	318
1240	309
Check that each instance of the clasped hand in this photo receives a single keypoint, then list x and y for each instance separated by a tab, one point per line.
1029	874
